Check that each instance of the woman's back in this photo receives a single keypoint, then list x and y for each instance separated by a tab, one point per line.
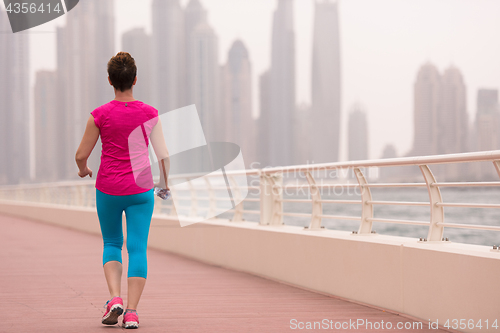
116	121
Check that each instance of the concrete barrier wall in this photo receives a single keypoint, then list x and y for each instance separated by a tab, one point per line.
443	281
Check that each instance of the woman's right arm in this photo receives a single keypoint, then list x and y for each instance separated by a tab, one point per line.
160	147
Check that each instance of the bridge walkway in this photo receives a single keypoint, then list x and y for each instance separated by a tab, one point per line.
51	280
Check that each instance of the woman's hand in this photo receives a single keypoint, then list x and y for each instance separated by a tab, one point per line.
158	185
85	172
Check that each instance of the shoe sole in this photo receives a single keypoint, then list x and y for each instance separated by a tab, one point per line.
112	317
131	325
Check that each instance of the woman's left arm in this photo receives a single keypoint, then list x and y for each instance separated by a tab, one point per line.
86	146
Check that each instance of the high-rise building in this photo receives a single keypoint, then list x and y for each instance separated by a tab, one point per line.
325	136
388	174
84	47
453	121
168	51
357	134
263	122
102	15
389	151
205	72
487	127
282	85
301	148
47	125
238	125
487	101
440	117
194	15
427	101
138	43
14	104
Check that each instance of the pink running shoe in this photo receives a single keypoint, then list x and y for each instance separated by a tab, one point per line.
114	309
130	319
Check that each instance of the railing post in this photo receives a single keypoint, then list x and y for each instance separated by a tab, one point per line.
317	208
365	226
77	193
69	197
212	208
497	167
194	201
88	196
271	195
173	211
437	212
236	191
81	196
44	198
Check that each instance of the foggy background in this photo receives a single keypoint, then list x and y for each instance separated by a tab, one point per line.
383	45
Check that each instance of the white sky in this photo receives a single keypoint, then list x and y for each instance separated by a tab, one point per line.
383	44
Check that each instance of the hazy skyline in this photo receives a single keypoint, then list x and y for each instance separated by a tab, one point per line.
383	44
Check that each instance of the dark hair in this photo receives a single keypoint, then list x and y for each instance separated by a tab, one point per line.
122	71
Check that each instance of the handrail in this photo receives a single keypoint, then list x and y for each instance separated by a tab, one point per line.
457	184
391	162
272	185
400	203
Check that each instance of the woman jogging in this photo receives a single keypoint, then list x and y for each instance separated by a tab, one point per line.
120	186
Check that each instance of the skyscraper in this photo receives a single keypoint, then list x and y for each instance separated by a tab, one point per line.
102	15
282	85
357	134
389	151
263	122
138	43
84	47
487	101
453	121
301	135
47	124
194	15
487	127
388	174
204	79
325	135
238	125
427	101
440	117
14	104
168	50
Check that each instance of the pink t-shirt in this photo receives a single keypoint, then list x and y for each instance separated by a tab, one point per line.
125	129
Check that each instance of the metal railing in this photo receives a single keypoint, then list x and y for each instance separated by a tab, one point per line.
270	193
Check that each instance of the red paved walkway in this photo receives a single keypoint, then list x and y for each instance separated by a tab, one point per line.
51	280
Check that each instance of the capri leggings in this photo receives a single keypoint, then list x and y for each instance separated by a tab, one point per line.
138	211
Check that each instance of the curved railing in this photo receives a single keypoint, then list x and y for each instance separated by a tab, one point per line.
436	224
198	195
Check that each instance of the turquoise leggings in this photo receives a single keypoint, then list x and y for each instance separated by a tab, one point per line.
138	211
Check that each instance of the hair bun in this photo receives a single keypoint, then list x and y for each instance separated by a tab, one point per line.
122	71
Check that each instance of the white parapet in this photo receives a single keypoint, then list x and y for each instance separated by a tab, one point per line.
427	280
